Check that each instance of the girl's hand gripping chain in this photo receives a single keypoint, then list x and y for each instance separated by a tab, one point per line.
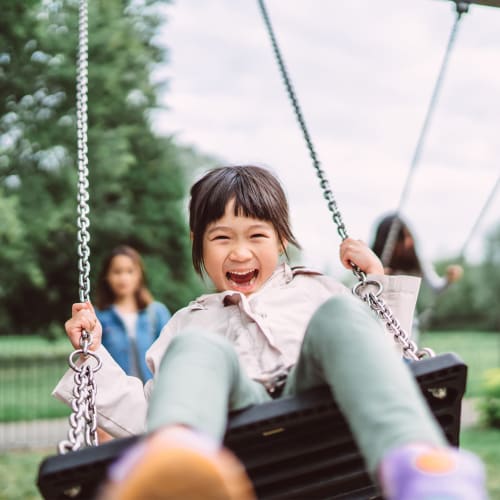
357	252
83	318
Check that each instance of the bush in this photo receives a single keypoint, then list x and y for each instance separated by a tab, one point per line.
490	403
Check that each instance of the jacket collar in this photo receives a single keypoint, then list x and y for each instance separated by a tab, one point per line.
281	276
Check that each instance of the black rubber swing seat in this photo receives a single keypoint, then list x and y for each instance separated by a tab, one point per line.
293	448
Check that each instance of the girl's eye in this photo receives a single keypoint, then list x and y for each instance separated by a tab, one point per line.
220	237
259	235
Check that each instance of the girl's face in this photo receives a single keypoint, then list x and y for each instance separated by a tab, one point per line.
240	253
124	276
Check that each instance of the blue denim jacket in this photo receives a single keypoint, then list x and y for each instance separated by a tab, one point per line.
150	321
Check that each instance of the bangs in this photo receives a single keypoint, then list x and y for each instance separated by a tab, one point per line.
251	199
256	193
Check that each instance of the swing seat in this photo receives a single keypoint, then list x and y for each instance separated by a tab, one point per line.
293	448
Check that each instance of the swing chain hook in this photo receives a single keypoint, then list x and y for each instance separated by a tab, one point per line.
83	419
462	6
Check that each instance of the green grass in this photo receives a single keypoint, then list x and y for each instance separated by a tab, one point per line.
486	444
18	473
479	350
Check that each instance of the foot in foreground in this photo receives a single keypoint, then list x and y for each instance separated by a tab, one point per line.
422	473
177	463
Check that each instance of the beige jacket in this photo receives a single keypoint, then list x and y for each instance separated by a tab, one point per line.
265	328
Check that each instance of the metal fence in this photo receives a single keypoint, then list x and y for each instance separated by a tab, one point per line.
30	417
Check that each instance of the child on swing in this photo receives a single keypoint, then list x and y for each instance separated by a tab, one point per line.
268	331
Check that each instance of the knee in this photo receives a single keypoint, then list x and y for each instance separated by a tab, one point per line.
343	306
339	316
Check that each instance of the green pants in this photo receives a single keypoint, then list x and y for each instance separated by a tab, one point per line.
200	380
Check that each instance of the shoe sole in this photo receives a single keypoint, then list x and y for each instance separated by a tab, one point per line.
179	473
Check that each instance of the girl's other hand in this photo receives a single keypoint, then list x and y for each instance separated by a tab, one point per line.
83	318
454	273
357	252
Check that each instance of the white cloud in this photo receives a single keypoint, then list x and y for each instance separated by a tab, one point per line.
364	72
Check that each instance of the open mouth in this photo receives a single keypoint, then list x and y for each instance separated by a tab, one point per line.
242	279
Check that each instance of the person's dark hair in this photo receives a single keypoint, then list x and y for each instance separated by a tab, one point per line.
257	193
104	294
401	260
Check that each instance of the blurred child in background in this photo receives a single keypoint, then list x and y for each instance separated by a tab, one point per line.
405	260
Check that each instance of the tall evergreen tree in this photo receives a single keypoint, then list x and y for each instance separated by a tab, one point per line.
138	180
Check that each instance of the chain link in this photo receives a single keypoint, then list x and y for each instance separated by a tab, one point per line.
83	222
83	419
323	181
410	349
377	304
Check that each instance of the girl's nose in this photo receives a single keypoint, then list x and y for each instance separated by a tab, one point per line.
240	253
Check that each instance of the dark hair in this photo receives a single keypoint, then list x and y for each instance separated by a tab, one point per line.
104	294
257	193
400	261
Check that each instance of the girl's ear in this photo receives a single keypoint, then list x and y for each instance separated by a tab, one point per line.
191	236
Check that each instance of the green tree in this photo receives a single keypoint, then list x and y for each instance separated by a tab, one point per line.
473	301
138	180
459	305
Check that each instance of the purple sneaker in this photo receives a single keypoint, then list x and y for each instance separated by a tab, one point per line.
424	473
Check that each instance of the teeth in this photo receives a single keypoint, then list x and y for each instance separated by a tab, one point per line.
240	276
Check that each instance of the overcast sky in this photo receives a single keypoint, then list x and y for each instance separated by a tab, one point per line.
364	72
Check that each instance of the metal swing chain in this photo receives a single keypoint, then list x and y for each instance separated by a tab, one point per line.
83	419
483	211
373	299
392	236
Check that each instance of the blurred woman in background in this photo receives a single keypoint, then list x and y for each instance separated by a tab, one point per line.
130	317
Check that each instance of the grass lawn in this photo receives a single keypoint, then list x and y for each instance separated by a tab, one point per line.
479	350
18	473
18	470
486	444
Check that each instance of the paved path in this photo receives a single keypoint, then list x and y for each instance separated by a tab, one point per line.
470	414
48	433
